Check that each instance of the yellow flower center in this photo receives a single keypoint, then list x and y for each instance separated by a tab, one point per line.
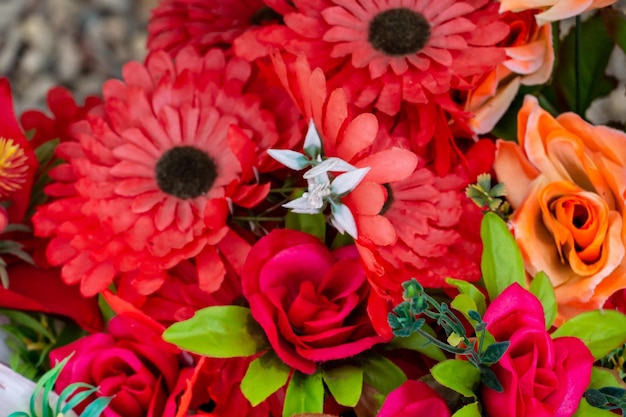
13	166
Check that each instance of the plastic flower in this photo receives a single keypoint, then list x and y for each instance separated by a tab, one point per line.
350	139
321	191
155	174
17	159
530	58
554	9
565	182
384	53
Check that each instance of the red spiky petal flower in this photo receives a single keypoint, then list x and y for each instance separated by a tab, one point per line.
154	172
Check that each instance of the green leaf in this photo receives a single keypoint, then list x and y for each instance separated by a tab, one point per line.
464	304
265	375
542	288
458	375
313	224
305	394
345	383
602	377
615	22
597	46
96	407
470	410
470	290
28	321
495	351
601	331
76	399
501	263
105	308
419	343
382	374
218	332
586	410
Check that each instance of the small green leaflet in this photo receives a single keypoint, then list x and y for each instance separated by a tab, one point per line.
218	332
542	288
601	331
305	394
382	374
501	263
470	410
471	291
458	375
265	375
345	383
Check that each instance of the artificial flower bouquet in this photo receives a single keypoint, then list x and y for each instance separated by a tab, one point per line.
326	207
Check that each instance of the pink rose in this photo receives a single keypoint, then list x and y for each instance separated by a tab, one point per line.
541	376
311	302
130	362
414	398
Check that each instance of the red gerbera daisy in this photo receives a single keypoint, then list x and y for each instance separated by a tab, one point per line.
386	52
203	23
155	172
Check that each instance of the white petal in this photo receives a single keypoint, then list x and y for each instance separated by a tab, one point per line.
301	205
291	159
347	182
312	141
342	219
329	165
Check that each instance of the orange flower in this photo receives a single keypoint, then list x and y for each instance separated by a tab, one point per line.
554	9
529	61
566	183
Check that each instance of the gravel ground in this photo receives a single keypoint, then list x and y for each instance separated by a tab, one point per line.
74	43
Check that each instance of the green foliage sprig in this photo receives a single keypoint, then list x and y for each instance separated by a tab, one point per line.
404	320
40	400
489	198
607	398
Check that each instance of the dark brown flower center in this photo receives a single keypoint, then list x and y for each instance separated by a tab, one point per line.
265	15
185	172
399	31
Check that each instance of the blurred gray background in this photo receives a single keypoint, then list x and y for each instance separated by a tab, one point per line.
74	43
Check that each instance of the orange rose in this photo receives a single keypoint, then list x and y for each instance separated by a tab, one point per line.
554	9
566	182
529	61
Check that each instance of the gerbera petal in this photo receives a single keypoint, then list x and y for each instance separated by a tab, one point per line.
131	169
164	215
134	186
144	202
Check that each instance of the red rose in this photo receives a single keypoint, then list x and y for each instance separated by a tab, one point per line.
310	301
132	363
414	398
541	376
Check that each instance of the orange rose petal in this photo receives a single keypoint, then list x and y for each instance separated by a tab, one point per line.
612	145
492	110
563	9
597	288
535	242
541	126
514	170
543	74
